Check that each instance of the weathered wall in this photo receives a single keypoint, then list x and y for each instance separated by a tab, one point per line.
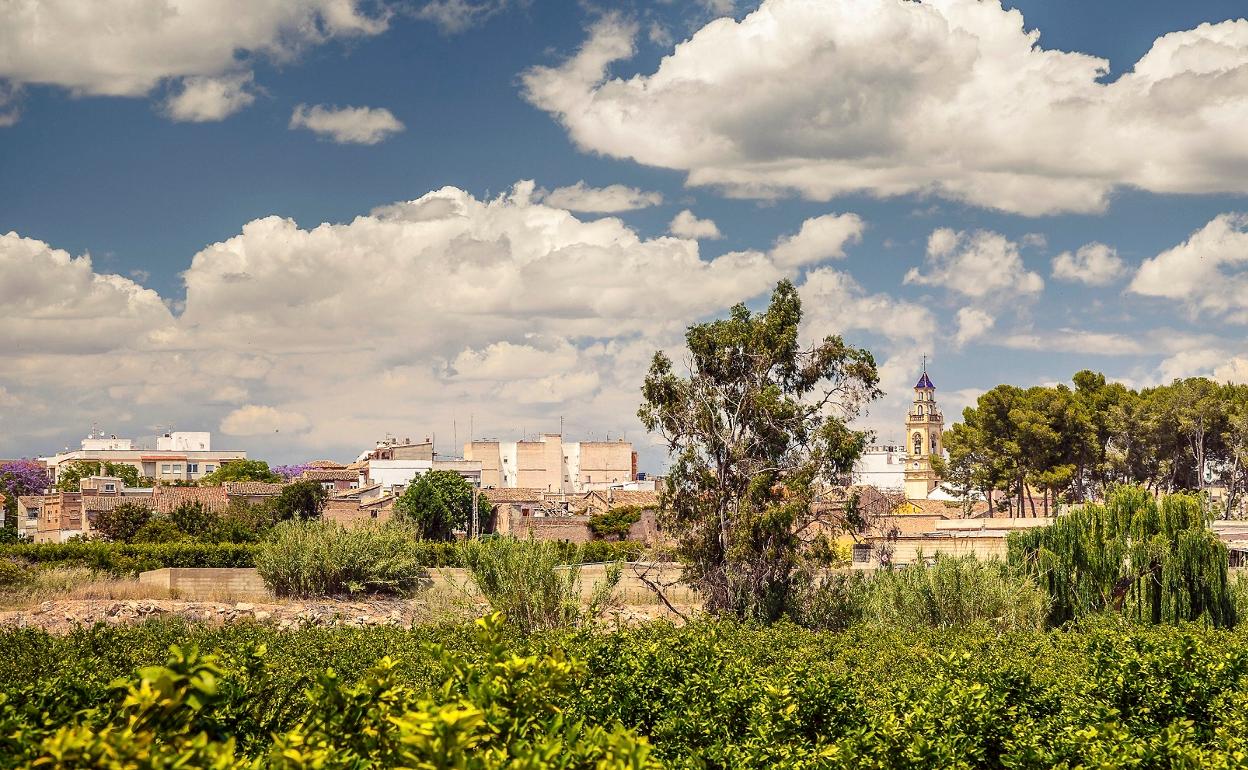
195	582
204	583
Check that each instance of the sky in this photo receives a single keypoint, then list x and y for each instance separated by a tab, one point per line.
304	225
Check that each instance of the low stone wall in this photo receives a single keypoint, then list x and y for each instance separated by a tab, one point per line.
206	582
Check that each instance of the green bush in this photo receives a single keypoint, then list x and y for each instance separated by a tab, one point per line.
956	591
497	710
130	558
13	573
321	558
526	582
1102	694
616	522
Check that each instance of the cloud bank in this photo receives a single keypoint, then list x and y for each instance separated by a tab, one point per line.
955	98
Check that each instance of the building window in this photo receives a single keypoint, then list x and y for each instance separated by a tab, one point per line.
918	443
933	443
209	468
177	468
192	467
861	553
110	487
166	468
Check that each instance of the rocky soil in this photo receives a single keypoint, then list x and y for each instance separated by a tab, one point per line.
63	616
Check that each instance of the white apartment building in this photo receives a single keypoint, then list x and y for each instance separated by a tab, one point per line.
554	465
184	455
882	466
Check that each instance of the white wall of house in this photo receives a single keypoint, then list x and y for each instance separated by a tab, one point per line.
391	472
882	467
185	441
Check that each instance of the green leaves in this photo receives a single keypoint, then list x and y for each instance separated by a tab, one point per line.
754	429
1155	561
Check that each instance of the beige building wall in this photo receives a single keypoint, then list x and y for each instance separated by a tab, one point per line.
489	454
605	462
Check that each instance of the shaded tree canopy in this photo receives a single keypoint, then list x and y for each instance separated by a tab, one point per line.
754	428
241	470
71	475
438	503
1075	444
122	522
301	500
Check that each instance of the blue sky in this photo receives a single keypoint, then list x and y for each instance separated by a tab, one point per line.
122	179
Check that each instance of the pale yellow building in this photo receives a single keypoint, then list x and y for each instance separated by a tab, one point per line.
925	425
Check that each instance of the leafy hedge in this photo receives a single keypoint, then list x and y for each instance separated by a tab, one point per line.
130	558
710	695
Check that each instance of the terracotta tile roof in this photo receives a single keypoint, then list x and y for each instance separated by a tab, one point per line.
330	474
642	498
31	500
513	495
97	503
348	494
166	499
326	465
233	488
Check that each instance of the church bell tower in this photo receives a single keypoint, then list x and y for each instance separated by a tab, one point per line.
924	428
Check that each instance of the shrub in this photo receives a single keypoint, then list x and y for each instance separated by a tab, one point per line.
616	522
123	521
494	709
956	591
129	558
526	582
833	602
317	558
13	574
159	529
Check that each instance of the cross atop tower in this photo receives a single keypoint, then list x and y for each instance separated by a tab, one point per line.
925	382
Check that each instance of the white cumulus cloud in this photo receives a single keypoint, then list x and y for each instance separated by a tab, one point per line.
820	238
1094	264
973	323
611	199
204	99
131	47
347	125
252	420
422	316
956	98
980	264
687	225
1208	272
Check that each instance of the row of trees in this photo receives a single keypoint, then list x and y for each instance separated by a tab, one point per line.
1027	448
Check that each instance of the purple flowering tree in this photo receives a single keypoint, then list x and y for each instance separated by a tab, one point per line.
289	472
23	477
20	477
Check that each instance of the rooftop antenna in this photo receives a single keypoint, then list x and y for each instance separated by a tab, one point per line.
925	363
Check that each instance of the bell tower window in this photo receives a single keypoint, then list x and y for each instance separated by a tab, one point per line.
918	443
